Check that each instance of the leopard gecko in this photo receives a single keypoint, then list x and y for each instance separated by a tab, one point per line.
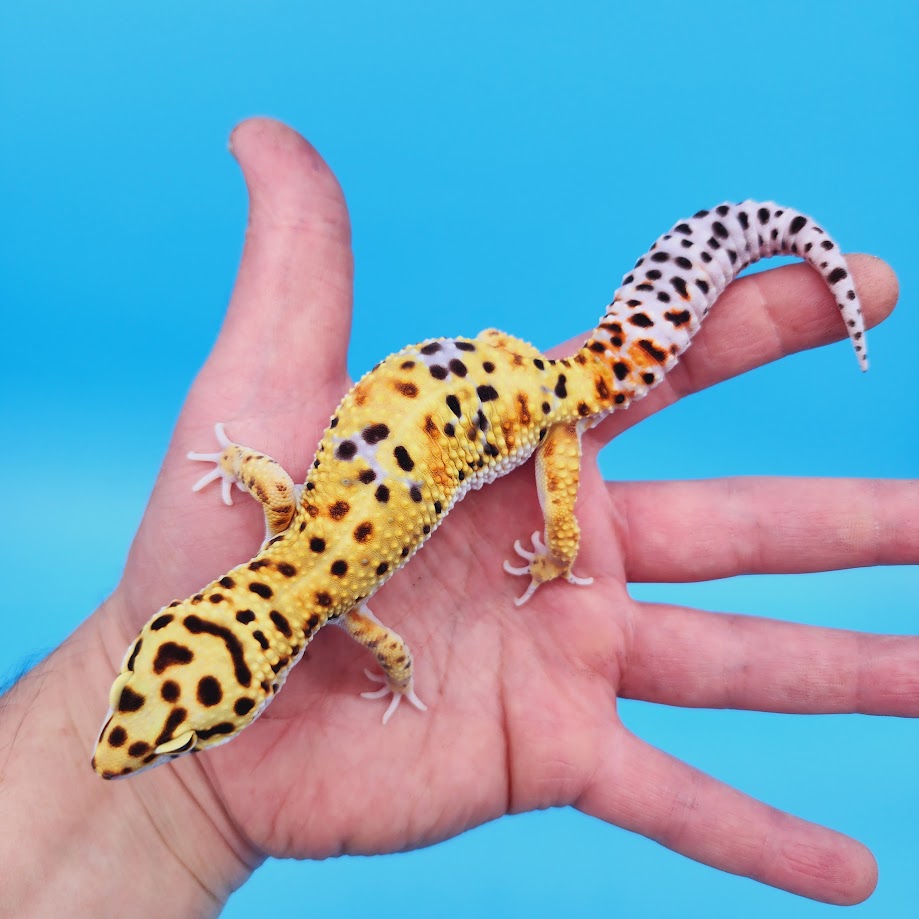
410	439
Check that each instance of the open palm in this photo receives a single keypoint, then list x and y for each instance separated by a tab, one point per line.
522	702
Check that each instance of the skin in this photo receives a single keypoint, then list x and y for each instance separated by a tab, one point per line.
522	702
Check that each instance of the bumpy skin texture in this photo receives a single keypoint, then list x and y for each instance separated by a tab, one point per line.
408	441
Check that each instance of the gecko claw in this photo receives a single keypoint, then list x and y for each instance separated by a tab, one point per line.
542	567
227	478
397	695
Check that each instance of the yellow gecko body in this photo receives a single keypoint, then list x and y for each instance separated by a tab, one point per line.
408	441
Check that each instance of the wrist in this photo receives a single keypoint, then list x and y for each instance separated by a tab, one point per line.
159	842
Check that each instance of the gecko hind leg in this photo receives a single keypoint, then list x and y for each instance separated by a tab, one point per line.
392	654
558	461
253	472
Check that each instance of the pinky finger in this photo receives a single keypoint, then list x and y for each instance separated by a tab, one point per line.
643	789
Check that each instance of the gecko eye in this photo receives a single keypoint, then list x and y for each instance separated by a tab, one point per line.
181	744
117	687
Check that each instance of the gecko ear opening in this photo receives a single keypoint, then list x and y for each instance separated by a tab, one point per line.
181	744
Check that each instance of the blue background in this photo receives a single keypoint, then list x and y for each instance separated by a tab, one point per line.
504	164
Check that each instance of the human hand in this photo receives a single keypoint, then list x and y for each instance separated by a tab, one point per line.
522	703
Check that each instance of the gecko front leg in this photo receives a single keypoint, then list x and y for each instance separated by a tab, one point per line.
254	472
558	467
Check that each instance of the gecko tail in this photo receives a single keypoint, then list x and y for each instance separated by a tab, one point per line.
664	299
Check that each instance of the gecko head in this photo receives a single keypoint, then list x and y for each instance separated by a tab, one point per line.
175	696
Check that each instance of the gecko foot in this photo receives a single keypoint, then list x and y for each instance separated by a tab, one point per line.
542	567
397	695
226	478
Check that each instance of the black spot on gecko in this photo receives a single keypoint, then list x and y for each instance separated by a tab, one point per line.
683	228
133	657
216	598
117	737
797	224
702	285
409	390
196	626
323	599
678	319
465	345
339	568
367	476
259	636
280	623
438	372
406	365
138	748
837	275
431	348
339	509
458	367
454	405
537	362
482	421
642	320
130	701
363	531
375	433
437	507
720	230
346	450
176	717
382	568
680	286
488	366
490	450
317	544
653	275
227	582
258	564
652	350
560	389
415	494
381	494
621	370
403	458
286	569
171	654
660	257
263	590
449	429
209	691
170	691
223	728
487	393
243	706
